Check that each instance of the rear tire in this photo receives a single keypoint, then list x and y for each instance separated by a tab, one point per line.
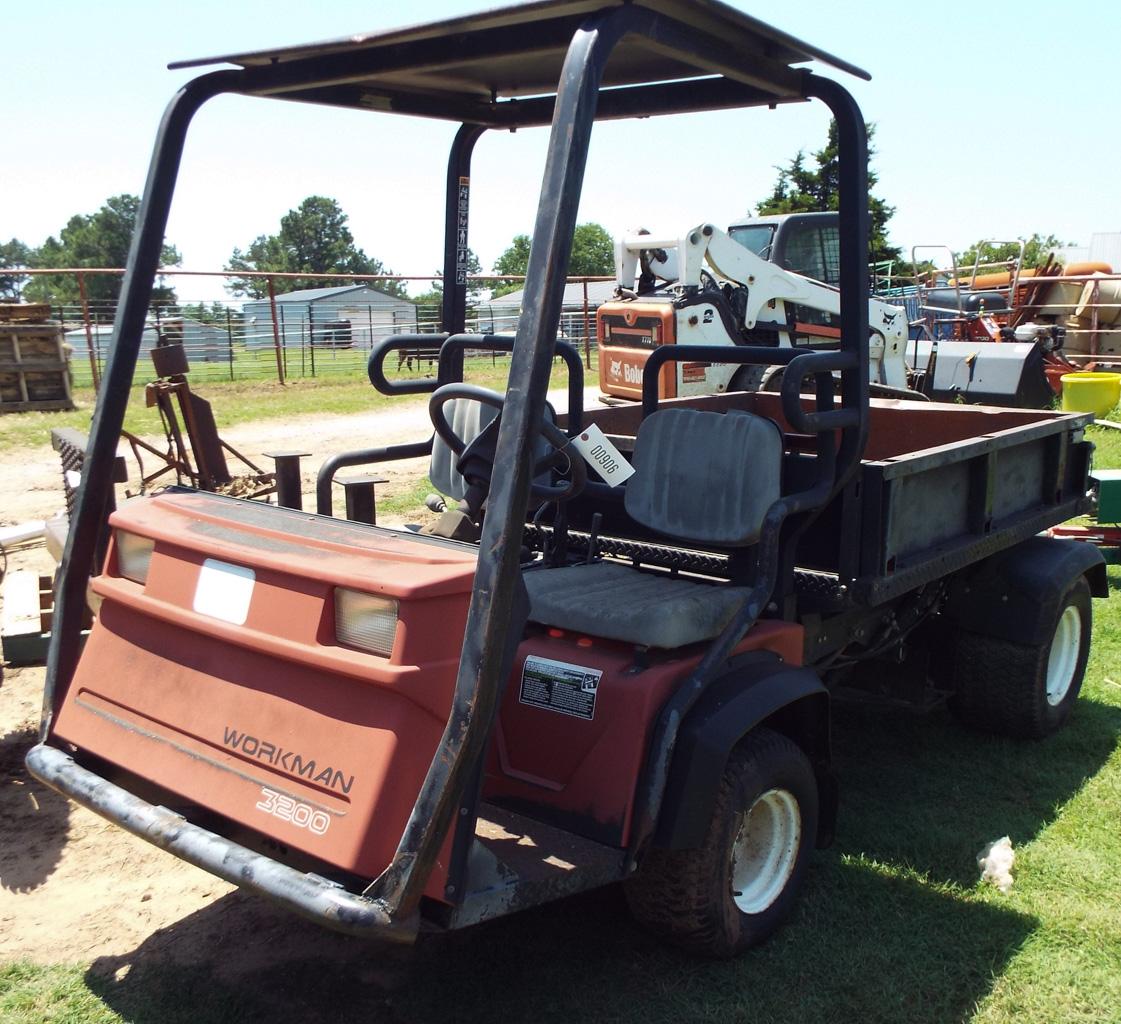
1023	690
740	884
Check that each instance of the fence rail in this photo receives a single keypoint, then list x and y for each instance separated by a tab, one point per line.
312	332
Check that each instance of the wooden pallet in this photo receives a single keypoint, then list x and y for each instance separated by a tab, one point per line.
34	368
24	312
27	618
25	625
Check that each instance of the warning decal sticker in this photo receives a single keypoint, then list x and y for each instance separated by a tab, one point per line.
559	686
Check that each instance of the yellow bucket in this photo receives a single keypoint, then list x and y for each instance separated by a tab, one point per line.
1091	392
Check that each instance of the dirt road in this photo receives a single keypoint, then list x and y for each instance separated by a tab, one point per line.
31	488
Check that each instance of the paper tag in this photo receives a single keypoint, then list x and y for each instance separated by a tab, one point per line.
602	455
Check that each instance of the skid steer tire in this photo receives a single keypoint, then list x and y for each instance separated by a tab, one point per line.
1023	690
740	884
747	378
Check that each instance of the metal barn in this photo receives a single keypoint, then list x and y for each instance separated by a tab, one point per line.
349	316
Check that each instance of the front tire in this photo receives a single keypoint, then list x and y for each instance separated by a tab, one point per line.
1024	690
740	884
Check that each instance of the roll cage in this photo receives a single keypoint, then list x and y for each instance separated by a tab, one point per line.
564	62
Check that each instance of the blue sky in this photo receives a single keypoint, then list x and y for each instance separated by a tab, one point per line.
993	121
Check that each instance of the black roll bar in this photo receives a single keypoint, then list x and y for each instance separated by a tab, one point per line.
450	364
852	154
499	606
88	526
451	359
375	365
453	309
497	610
836	463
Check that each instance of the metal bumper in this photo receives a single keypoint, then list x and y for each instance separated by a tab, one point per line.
318	899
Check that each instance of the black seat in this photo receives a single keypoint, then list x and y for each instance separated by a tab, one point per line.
971	302
700	477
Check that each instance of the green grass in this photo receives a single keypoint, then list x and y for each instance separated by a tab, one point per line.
31	994
244	401
1107	441
892	926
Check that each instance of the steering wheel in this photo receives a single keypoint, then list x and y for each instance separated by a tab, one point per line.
577	471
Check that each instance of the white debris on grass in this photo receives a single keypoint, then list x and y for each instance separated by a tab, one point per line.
995	862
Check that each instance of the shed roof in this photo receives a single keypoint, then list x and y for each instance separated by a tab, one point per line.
501	67
598	293
315	294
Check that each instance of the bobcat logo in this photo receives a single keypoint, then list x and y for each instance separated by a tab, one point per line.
616	368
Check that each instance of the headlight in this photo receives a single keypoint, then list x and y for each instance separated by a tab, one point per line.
134	555
365	621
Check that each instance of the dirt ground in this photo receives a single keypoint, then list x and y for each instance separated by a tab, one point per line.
30	479
74	888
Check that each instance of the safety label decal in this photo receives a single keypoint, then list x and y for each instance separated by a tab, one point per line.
559	686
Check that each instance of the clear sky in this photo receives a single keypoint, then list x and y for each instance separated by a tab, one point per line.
993	120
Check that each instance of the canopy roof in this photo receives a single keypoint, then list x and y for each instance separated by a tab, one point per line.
501	67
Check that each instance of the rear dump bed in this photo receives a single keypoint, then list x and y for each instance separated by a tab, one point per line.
940	486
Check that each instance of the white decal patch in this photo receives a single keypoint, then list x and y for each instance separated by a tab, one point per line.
224	591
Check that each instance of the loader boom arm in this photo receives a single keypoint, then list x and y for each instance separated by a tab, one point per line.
684	260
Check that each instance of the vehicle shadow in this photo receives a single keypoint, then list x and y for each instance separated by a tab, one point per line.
868	942
862	947
926	793
35	816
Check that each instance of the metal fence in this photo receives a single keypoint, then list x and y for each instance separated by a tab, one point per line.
327	327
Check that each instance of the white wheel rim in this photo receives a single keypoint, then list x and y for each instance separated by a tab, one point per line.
765	850
1063	659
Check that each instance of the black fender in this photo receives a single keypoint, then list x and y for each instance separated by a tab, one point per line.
1015	594
756	689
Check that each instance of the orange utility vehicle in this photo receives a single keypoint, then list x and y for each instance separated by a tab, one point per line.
569	681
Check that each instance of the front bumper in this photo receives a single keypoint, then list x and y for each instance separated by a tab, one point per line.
316	898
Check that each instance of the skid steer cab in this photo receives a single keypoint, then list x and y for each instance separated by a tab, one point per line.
589	670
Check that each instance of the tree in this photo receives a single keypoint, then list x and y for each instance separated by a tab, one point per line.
592	255
216	313
593	252
1036	250
802	189
515	258
13	255
313	239
100	239
435	295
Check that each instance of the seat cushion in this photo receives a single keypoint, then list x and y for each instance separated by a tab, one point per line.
704	476
468	420
619	603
